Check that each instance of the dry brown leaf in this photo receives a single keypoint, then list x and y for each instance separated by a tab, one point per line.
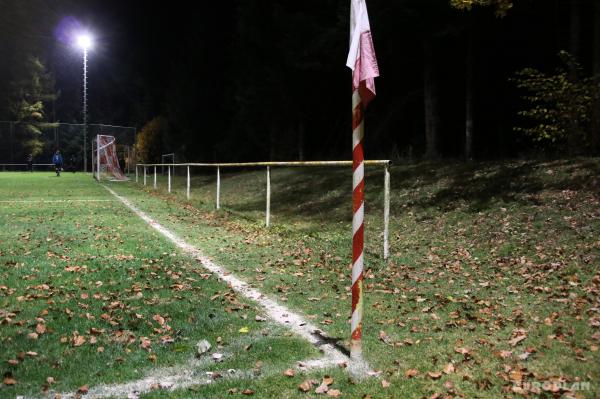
289	373
306	385
40	328
159	319
248	392
83	389
328	380
334	393
50	380
517	339
385	384
9	380
463	351
33	336
410	373
78	340
449	368
323	388
385	338
434	375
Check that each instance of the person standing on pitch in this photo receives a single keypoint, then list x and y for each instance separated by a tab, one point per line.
30	162
57	160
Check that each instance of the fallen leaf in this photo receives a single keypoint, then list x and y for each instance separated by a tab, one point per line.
40	328
9	380
517	339
385	338
323	388
244	330
328	380
78	340
248	392
449	369
463	351
410	373
385	384
83	389
289	373
334	393
434	375
306	385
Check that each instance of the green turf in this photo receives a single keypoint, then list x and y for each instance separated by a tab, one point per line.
494	266
93	280
493	269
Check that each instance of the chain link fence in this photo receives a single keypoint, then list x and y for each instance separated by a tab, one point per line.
15	145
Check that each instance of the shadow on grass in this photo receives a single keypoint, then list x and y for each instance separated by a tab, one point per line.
323	194
483	184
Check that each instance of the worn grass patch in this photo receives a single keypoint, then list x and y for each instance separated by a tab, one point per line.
90	294
492	289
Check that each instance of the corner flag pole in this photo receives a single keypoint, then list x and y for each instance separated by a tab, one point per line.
362	61
358	227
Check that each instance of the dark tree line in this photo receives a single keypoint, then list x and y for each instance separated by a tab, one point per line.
265	79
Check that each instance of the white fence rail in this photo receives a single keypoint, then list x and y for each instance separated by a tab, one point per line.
384	163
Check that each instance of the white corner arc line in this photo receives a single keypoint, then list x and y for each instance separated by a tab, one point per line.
274	310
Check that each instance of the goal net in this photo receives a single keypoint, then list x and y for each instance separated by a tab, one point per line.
105	160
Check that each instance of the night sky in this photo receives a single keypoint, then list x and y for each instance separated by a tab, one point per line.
254	74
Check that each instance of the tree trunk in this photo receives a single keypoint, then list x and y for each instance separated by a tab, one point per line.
272	144
596	42
469	124
431	102
575	34
596	70
301	142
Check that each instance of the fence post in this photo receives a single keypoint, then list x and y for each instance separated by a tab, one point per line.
268	217
188	182
386	212
144	175
218	187
169	178
155	177
136	173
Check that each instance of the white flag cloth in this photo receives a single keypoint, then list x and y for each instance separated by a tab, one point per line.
361	57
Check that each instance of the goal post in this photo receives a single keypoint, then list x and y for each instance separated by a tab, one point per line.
105	160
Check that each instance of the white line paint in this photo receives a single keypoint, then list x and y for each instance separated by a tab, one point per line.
54	201
274	310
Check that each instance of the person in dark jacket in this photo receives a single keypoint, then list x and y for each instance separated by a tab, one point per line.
57	160
30	162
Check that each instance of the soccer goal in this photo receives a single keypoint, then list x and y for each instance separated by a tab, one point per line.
105	160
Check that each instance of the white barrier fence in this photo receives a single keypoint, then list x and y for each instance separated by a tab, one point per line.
384	163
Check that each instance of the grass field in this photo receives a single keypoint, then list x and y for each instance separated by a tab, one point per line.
492	289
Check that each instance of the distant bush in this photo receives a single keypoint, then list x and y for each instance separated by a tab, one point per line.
149	141
562	107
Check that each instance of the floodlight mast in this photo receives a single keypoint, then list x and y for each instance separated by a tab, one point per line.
84	42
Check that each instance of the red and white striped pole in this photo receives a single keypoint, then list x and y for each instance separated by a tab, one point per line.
358	227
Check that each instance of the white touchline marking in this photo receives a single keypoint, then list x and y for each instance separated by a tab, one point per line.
52	201
183	376
274	310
